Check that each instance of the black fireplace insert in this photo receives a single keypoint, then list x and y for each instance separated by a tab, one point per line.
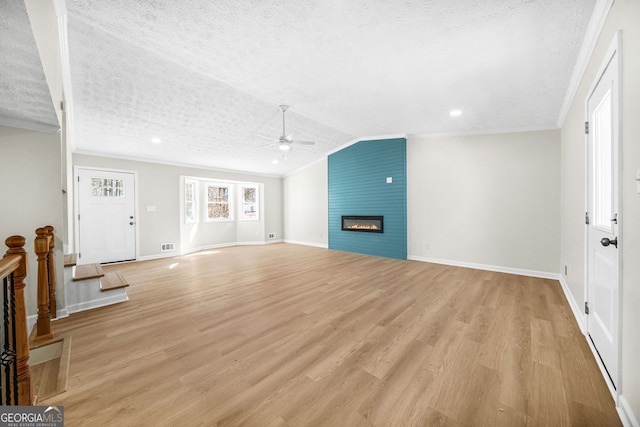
367	224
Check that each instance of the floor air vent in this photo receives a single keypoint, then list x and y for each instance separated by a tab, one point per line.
166	247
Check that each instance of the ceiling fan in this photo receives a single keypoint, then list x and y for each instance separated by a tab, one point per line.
285	141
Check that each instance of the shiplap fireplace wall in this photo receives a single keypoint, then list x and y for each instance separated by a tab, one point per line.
368	178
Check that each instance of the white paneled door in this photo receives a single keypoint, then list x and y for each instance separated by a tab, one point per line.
603	239
106	220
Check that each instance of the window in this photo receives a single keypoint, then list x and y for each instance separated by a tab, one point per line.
190	202
107	187
250	202
218	206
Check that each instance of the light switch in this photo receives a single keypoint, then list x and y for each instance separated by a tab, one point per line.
389	180
151	208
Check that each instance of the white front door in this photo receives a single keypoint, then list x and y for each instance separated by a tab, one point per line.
106	220
603	238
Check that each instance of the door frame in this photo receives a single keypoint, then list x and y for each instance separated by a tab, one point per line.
76	202
614	49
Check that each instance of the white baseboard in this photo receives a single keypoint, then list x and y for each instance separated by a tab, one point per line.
622	406
268	242
317	245
575	307
222	245
208	247
158	256
496	268
31	322
626	414
96	303
60	314
603	370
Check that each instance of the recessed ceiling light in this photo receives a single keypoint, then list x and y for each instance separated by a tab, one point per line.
455	113
275	162
156	140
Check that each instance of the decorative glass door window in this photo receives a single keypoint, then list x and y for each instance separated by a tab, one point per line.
107	187
250	204
602	156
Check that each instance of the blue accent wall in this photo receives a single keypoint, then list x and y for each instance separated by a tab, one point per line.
358	186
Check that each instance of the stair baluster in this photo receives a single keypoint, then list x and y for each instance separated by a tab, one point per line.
53	309
43	325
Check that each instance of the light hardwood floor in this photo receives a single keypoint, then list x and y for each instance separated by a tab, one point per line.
287	335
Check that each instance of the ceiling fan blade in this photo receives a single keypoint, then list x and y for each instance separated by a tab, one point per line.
268	137
300	142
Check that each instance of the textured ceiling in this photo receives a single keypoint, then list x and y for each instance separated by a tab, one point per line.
207	76
25	101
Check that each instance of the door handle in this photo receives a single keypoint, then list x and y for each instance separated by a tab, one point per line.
606	242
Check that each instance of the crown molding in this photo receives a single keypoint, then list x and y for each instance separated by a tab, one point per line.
598	18
29	125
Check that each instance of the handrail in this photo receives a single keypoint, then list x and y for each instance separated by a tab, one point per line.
9	270
8	265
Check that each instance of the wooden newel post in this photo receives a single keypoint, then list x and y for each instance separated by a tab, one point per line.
53	308
16	247
43	326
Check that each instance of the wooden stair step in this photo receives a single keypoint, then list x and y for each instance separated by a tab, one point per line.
70	260
87	271
113	280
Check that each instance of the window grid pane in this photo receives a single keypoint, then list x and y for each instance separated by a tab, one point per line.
107	187
602	164
218	202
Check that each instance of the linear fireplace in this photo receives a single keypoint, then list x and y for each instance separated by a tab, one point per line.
367	224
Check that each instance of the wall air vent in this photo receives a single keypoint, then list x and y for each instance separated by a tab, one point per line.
167	247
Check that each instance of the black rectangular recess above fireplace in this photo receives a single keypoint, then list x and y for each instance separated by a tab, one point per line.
367	224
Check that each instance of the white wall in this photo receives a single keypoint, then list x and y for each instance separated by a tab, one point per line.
31	196
306	205
160	185
491	199
624	15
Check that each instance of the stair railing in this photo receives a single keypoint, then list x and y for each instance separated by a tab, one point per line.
15	385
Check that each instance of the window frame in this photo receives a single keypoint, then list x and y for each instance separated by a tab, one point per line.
229	201
243	202
196	218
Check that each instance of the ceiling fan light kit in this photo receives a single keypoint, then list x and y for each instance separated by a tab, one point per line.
285	141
